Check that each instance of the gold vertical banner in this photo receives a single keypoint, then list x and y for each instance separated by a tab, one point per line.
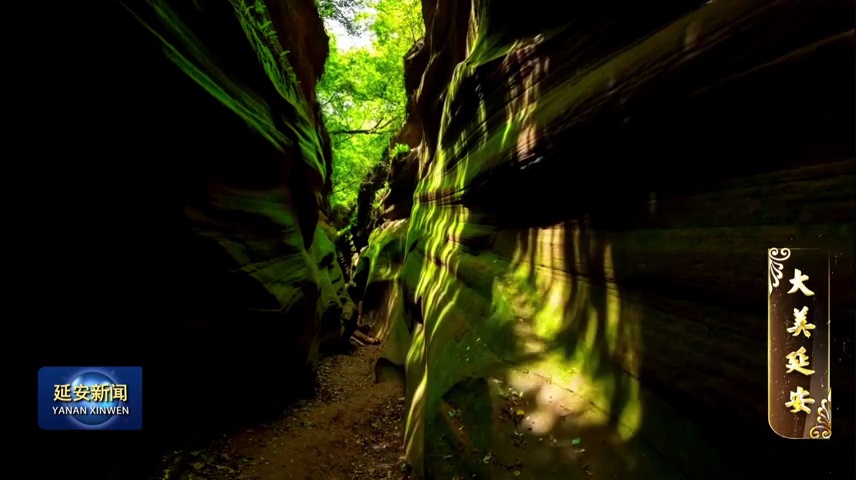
799	394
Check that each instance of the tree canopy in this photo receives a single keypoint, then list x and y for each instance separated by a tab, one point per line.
362	92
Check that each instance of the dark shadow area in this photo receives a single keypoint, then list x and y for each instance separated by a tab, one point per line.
111	273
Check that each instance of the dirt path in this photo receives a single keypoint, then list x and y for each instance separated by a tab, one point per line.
352	429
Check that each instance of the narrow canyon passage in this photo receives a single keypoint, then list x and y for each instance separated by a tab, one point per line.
351	429
442	240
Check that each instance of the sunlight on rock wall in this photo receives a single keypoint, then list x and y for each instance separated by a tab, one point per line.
384	299
570	286
492	315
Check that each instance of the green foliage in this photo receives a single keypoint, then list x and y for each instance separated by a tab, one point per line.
343	11
380	196
362	92
399	148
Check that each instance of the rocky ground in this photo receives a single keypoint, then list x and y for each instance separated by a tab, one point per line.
352	429
540	431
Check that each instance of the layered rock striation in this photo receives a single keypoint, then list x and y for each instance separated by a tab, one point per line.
589	200
190	179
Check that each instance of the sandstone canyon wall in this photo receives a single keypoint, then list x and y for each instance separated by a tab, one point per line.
183	206
586	211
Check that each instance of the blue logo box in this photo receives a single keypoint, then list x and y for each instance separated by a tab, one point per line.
91	398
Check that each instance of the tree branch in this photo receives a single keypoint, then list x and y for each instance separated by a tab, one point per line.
365	131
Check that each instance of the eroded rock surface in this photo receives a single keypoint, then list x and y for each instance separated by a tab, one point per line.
191	218
597	188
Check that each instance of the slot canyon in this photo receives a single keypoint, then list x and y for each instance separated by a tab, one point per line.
559	272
